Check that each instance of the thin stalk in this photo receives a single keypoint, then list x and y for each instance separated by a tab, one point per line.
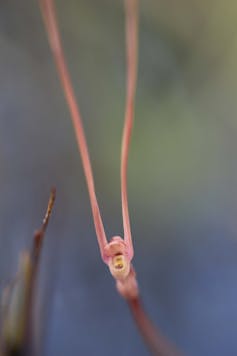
156	342
131	12
50	19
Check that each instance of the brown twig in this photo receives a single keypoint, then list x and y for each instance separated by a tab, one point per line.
39	234
35	257
17	326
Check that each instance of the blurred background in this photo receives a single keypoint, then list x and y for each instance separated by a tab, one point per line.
182	179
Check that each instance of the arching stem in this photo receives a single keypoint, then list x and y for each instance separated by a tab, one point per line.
49	16
131	10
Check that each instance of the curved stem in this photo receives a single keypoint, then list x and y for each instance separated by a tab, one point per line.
131	45
156	342
49	15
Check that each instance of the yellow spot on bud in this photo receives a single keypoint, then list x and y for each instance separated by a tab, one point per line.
119	266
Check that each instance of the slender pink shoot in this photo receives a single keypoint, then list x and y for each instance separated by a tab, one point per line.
131	9
118	252
49	16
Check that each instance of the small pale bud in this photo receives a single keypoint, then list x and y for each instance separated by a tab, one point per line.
119	266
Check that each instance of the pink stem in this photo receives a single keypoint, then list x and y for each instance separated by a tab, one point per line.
156	342
49	15
131	45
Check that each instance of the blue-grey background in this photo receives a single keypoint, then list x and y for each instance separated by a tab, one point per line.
182	179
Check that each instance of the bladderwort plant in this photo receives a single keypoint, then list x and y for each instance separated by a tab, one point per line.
17	330
117	253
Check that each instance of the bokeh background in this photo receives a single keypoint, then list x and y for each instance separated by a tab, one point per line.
182	179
